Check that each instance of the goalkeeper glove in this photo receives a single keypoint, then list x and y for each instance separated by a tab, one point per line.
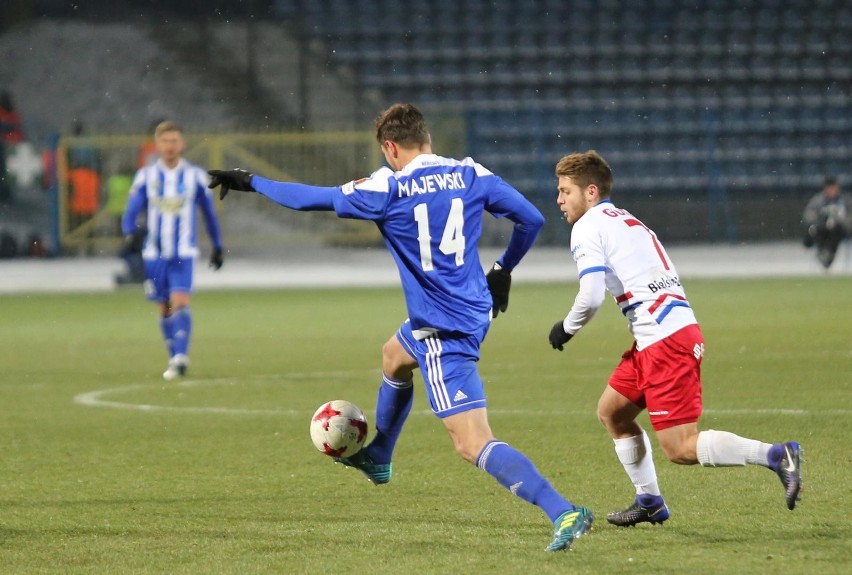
237	179
499	281
558	336
216	259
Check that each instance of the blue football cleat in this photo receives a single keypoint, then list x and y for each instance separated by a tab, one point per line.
569	526
790	472
377	473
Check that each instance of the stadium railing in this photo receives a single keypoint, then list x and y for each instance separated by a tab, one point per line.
322	158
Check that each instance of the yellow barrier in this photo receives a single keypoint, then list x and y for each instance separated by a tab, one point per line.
109	162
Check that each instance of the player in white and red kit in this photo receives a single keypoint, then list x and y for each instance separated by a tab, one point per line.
661	372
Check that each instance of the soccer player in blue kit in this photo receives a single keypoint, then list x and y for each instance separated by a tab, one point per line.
429	210
168	192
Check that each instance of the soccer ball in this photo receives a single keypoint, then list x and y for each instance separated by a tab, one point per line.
339	428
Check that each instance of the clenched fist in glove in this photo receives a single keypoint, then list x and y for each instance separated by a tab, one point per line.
499	281
216	259
558	336
237	179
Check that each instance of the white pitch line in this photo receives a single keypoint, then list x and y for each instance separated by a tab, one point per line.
97	399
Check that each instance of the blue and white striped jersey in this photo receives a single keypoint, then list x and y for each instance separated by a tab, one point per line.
169	197
430	214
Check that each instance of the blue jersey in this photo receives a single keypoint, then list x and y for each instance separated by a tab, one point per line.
170	197
430	214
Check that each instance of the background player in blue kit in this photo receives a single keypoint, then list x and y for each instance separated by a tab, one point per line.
429	210
168	192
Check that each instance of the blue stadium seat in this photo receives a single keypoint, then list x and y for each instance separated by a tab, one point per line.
657	86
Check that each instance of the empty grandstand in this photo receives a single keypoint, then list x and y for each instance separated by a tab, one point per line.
724	115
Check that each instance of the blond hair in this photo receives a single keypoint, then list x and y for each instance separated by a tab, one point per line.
586	168
166	126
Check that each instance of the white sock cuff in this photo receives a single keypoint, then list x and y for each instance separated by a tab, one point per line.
397	383
631	450
702	448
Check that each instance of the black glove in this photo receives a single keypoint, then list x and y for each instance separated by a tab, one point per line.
127	244
216	258
499	281
558	337
132	243
237	179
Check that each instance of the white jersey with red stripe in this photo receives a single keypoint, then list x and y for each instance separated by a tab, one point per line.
637	271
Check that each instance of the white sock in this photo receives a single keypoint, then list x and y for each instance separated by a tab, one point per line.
724	449
638	461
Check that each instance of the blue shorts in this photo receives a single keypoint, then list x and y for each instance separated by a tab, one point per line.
162	277
448	364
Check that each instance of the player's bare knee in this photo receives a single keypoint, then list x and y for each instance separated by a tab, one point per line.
618	427
678	452
466	453
605	418
462	448
467	446
395	360
177	304
388	354
605	414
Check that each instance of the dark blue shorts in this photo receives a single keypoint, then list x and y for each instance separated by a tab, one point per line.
162	277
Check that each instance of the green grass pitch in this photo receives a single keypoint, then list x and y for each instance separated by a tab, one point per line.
107	469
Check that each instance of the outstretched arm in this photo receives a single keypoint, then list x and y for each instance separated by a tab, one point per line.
295	196
288	194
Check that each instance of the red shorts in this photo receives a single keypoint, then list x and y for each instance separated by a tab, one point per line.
665	378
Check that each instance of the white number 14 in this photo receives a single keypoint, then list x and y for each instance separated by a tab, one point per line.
452	240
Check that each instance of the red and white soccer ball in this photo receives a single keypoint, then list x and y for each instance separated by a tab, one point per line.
339	428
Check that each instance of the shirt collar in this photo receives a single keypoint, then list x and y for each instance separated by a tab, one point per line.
181	163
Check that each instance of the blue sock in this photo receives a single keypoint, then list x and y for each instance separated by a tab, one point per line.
776	452
167	327
393	405
649	501
515	472
182	328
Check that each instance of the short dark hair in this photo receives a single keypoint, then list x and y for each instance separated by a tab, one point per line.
587	168
402	124
829	181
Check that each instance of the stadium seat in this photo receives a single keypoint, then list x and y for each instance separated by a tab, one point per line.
657	86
